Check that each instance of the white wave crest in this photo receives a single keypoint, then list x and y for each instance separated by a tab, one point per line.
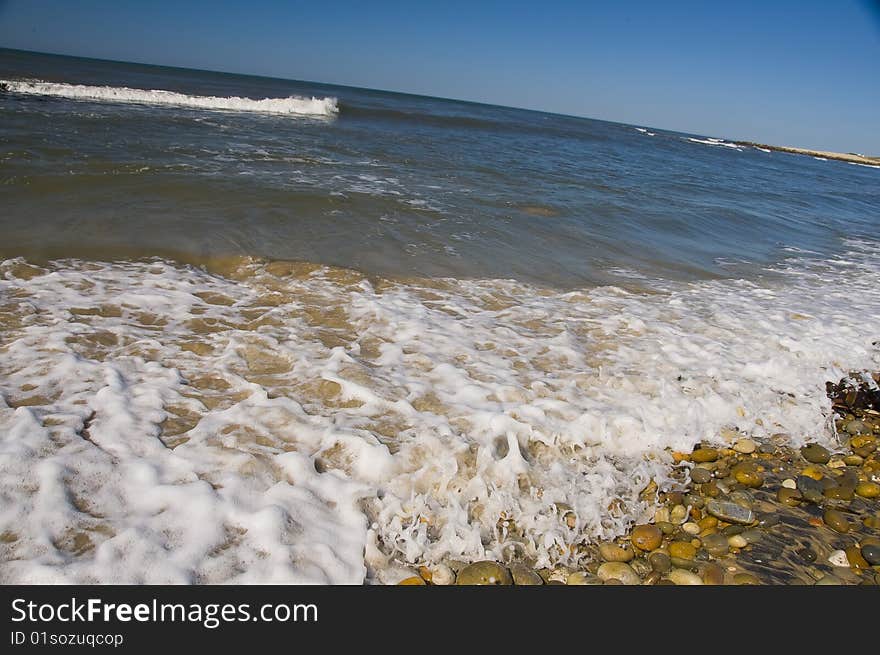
296	105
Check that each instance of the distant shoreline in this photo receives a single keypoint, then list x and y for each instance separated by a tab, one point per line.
840	156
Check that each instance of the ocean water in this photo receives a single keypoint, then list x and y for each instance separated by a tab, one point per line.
256	330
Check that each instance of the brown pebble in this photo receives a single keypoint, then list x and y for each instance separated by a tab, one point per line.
836	520
646	537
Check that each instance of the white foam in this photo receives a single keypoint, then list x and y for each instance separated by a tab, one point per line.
292	105
715	142
329	417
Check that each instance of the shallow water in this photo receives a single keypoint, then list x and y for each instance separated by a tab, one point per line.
310	348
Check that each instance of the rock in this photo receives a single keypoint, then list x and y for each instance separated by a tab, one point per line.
716	545
868	489
811	490
484	573
666	527
691	528
871	553
745	446
838	558
646	537
682	550
611	552
442	575
412	581
660	562
745	579
524	576
842	492
789	497
707	523
730	512
618	571
807	554
789	483
700	475
641	567
836	521
829	579
684	577
748	478
857	427
713	574
702	455
855	559
751	536
580	578
815	453
678	515
737	541
813	471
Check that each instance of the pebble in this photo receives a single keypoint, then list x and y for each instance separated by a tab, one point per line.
412	581
666	527
691	528
443	575
702	455
810	489
745	579
868	489
730	512
611	552
871	553
682	550
713	575
842	492
700	475
752	536
716	545
684	577
646	537
789	483
660	562
745	446
618	571
838	558
856	427
751	479
678	515
836	520
789	497
853	460
854	556
737	541
484	573
815	454
583	578
524	576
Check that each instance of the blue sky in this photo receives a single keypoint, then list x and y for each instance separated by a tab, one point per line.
802	73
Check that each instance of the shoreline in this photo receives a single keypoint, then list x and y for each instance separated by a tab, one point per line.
756	511
838	156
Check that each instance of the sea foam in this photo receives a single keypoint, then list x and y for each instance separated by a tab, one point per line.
287	422
292	105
